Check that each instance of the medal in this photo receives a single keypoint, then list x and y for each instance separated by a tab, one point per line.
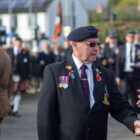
60	85
63	82
66	82
65	86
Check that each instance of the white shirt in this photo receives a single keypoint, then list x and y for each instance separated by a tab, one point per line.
128	58
16	50
89	73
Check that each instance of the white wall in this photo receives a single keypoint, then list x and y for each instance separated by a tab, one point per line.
23	29
81	14
41	21
6	21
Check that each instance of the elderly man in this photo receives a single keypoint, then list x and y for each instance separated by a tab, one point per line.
77	95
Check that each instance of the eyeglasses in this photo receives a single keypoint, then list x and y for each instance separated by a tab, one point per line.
93	44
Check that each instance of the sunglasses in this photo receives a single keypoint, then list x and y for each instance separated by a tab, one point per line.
93	44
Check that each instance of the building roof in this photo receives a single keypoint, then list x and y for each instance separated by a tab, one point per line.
23	5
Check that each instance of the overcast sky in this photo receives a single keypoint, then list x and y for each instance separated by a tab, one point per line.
92	4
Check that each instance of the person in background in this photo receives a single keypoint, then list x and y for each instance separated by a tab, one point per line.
5	84
77	95
64	52
20	60
55	52
137	37
34	71
138	102
44	58
111	51
129	67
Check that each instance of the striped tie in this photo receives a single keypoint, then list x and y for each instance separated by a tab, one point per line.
85	83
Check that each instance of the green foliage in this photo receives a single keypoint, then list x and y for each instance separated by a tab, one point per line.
112	3
127	3
95	17
128	14
120	27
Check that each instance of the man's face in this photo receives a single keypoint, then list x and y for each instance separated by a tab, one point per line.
86	50
129	38
18	43
113	41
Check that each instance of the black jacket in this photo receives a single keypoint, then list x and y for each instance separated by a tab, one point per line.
21	66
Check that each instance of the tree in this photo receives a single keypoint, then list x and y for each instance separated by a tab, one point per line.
112	3
127	3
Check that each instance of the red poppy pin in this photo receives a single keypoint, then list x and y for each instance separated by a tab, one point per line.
24	52
98	77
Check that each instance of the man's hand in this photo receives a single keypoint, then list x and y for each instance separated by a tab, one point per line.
137	127
118	81
138	102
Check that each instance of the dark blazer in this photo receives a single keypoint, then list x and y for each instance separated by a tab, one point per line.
121	62
21	67
64	114
47	60
110	53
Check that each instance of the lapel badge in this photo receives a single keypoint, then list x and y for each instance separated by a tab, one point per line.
98	76
106	96
63	82
72	76
69	67
71	72
106	102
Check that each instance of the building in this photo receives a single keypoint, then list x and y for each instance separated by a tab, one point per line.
28	18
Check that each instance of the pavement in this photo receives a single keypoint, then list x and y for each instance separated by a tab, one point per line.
24	128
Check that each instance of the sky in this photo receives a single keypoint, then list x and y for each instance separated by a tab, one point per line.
92	4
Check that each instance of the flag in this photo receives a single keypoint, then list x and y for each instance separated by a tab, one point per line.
58	22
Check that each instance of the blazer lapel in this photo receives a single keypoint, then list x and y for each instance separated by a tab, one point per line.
98	92
75	84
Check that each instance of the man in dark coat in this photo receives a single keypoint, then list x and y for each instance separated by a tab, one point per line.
44	59
77	95
111	51
129	67
64	52
20	61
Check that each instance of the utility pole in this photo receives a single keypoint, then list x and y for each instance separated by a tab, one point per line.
10	13
30	13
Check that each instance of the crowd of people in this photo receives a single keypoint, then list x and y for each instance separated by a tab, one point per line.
29	63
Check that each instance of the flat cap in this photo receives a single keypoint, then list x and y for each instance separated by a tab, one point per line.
83	33
130	32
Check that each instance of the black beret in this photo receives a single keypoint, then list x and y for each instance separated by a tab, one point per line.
83	33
